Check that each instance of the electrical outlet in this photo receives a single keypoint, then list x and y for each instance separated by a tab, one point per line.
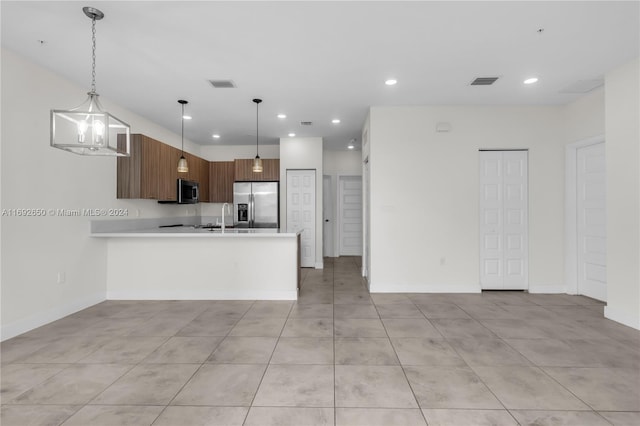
443	261
62	277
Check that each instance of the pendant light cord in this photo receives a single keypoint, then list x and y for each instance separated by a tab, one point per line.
182	131
257	107
93	55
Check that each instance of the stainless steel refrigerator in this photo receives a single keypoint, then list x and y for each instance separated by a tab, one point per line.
256	205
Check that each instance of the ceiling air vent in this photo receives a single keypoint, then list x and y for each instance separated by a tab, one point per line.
484	81
306	123
223	84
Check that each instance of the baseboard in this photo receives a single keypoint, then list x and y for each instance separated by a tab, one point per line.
41	318
422	288
547	289
200	295
624	318
319	265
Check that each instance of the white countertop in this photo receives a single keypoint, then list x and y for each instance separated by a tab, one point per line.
190	231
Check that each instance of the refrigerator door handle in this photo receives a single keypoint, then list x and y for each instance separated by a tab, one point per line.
252	211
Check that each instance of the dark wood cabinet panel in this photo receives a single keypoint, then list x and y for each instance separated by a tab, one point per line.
151	159
270	170
168	172
205	195
137	173
128	182
151	172
221	178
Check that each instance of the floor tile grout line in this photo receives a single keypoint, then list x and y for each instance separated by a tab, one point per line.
470	367
467	365
566	388
404	373
534	364
264	373
568	319
203	363
520	353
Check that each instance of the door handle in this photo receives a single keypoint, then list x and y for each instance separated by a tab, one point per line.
253	210
326	220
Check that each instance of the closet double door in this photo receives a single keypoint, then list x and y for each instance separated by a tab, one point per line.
503	220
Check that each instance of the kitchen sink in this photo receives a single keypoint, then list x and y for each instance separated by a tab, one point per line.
211	226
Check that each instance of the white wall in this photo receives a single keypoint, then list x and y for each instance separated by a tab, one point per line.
623	193
584	118
336	164
302	153
424	192
231	152
35	175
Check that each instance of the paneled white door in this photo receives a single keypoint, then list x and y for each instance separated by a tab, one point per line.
301	212
503	220
327	217
366	195
592	221
350	211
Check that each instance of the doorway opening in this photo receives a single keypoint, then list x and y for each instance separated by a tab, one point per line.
585	220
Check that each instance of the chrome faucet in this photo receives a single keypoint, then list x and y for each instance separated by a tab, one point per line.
228	212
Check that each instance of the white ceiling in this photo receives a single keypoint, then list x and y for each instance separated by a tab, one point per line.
316	61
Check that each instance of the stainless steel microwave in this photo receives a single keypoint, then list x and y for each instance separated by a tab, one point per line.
188	192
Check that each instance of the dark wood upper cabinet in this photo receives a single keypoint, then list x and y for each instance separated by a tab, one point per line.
221	178
151	172
205	193
137	174
168	173
270	170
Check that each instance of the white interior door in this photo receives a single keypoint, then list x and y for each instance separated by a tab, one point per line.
592	221
327	216
503	220
350	213
301	212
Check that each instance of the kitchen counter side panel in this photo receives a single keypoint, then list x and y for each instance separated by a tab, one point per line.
170	268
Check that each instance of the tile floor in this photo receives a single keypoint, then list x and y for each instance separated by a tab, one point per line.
337	356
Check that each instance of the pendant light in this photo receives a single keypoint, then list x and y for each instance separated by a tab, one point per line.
183	167
87	129
257	162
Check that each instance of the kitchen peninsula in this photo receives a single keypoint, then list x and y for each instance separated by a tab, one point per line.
187	263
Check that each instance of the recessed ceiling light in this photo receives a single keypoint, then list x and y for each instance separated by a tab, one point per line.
350	146
187	117
216	136
390	82
282	115
335	121
531	80
291	135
